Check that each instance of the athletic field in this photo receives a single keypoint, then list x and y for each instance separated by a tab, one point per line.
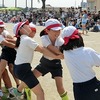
48	84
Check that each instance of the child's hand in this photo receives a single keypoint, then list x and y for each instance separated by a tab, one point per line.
60	56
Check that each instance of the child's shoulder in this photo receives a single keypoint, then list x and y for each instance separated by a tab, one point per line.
88	49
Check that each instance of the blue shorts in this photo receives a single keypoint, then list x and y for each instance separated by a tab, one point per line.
24	73
89	90
52	66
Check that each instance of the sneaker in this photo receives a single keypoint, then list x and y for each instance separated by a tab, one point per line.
27	93
17	94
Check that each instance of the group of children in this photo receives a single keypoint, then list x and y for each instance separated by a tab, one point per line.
56	45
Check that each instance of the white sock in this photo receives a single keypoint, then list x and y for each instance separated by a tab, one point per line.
10	90
1	93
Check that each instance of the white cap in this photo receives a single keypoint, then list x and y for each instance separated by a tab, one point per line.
69	32
53	24
32	26
2	23
17	27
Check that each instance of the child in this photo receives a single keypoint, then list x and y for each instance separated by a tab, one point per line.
51	40
25	52
7	58
27	91
80	60
84	21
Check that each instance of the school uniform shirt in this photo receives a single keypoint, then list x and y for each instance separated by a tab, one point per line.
46	42
25	51
3	35
80	62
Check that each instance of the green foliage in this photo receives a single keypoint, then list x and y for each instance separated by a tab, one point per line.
11	9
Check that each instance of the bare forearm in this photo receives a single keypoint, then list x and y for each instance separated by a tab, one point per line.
11	45
48	53
11	40
8	44
54	49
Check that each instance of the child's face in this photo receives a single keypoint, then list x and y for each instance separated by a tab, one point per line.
53	34
1	29
25	29
32	34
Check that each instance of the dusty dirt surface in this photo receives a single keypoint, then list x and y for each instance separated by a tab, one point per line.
48	84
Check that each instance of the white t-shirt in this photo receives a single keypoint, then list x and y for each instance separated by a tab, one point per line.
25	51
80	62
3	35
46	42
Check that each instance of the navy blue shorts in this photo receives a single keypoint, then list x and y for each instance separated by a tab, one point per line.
52	66
24	73
8	54
89	90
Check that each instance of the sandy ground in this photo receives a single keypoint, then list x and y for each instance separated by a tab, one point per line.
48	84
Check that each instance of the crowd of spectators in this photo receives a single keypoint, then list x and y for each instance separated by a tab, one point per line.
70	16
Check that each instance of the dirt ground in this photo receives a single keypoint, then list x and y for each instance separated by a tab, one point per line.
48	84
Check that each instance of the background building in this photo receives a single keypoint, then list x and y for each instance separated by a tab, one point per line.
93	5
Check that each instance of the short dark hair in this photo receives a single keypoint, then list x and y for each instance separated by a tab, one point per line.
73	43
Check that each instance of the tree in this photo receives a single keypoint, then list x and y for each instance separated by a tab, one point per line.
31	3
15	3
43	4
2	3
26	3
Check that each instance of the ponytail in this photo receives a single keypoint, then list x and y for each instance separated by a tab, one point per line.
18	42
18	39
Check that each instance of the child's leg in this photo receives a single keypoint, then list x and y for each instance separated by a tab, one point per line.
6	79
1	93
2	96
37	73
60	88
2	69
38	92
3	64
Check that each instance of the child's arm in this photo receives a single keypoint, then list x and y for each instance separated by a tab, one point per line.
47	52
8	44
54	49
12	40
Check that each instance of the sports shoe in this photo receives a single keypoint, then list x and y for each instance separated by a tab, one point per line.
17	94
27	93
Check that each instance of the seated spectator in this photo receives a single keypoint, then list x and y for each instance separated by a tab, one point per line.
96	27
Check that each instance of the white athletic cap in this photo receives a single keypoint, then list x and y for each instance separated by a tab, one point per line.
32	26
69	32
2	23
53	24
17	27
